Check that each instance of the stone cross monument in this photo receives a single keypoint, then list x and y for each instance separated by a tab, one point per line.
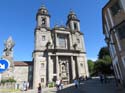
9	44
8	54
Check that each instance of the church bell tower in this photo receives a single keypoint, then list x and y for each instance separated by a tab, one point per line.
42	36
73	22
43	18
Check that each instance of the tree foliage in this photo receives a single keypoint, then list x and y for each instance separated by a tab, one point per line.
91	66
102	66
103	52
104	62
11	80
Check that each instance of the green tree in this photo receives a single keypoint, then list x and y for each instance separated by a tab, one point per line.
103	52
104	62
90	66
107	59
99	66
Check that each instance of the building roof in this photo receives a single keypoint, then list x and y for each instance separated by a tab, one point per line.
23	63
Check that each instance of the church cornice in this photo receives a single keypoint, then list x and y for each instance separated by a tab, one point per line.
72	20
73	32
61	28
65	51
38	51
39	29
39	13
60	51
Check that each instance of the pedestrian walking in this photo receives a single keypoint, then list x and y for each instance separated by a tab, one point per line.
61	85
86	77
79	80
76	83
39	88
58	84
101	78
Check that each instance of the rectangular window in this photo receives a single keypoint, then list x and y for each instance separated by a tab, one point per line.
81	64
115	8
30	68
121	32
62	42
123	61
42	65
42	80
43	38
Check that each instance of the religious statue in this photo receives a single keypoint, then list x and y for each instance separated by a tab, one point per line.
9	44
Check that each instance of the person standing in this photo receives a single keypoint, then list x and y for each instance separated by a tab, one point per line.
27	84
39	88
24	86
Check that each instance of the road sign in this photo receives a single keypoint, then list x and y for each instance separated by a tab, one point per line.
4	65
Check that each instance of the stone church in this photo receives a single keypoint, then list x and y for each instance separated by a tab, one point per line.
59	52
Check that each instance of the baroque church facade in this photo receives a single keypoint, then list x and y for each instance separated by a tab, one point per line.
59	53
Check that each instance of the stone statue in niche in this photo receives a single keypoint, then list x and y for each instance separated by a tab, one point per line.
63	69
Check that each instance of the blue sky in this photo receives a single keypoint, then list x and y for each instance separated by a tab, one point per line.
18	19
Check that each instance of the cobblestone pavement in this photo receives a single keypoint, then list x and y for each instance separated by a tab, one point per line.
90	86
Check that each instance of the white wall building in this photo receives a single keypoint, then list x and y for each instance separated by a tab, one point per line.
113	16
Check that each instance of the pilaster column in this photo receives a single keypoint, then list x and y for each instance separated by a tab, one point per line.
86	66
49	70
70	40
50	66
35	74
57	67
73	68
56	40
78	66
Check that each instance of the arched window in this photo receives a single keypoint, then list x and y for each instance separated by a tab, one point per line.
75	26
43	12
78	40
43	21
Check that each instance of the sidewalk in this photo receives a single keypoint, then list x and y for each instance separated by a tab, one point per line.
44	90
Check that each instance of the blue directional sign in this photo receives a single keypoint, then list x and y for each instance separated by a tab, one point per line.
4	65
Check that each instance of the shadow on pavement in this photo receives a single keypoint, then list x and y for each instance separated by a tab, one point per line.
92	86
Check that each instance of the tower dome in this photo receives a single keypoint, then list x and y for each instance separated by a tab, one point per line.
43	10
72	15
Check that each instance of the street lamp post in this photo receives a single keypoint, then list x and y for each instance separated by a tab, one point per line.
107	40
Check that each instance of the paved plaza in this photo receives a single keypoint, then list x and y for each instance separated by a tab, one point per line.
90	86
